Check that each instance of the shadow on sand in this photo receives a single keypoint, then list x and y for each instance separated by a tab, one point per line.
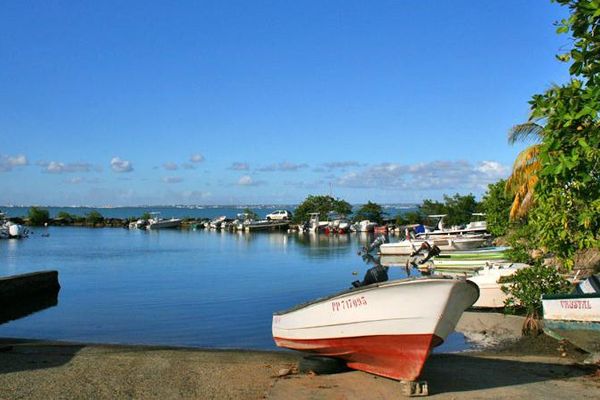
27	355
447	373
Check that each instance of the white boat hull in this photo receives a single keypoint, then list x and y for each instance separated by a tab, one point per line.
164	224
406	247
386	329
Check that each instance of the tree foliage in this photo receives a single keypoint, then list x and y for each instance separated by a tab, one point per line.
250	214
94	217
496	204
458	208
567	210
371	211
38	216
321	204
409	218
525	289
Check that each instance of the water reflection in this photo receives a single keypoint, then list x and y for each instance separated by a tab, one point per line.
19	308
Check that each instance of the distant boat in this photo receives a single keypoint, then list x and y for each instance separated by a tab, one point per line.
364	226
386	329
159	223
11	230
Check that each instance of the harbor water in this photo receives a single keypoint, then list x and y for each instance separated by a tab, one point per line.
180	287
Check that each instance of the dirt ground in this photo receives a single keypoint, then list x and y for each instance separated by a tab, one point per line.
538	368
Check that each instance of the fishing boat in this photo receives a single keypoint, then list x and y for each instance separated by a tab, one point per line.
387	328
576	316
409	246
156	222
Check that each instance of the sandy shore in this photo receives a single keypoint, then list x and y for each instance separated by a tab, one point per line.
44	370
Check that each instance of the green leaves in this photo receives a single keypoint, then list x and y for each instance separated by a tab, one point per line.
566	215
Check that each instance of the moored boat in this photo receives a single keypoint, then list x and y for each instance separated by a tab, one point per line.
387	328
409	246
156	222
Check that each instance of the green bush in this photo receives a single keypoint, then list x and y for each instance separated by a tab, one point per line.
496	205
94	217
38	216
525	289
371	211
321	204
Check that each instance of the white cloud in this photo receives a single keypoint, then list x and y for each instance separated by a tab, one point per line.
283	166
341	164
247	180
188	166
172	179
7	163
239	166
119	165
434	175
56	167
170	166
196	158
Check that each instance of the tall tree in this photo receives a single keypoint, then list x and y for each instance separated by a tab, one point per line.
567	193
371	211
521	183
323	205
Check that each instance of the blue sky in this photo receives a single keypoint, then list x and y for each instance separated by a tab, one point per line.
238	102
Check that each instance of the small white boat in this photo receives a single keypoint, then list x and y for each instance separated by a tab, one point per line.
475	227
215	223
387	328
489	280
408	246
159	223
364	226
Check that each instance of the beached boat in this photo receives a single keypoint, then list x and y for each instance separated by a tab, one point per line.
387	328
156	222
490	280
408	246
576	317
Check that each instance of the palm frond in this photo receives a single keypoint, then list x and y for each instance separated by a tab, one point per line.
525	132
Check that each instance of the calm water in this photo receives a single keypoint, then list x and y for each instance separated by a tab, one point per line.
188	288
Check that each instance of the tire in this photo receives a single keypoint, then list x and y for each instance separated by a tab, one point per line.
321	365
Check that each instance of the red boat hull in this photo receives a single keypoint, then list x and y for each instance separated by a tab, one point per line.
399	357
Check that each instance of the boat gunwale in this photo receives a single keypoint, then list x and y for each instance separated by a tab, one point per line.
361	289
570	296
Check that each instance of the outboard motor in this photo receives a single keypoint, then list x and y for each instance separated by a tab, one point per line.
428	251
376	274
375	245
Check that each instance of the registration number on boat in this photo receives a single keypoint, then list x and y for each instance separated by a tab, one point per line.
347	304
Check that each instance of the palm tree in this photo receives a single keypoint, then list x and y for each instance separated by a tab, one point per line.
521	183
